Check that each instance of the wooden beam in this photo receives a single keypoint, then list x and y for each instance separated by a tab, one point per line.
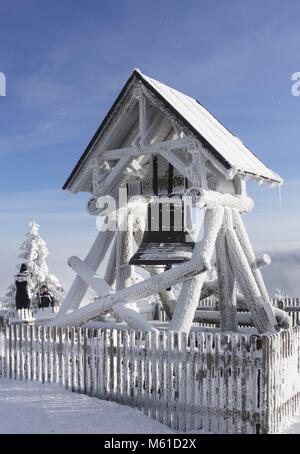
92	279
226	282
154	148
93	259
132	317
209	288
239	185
211	199
211	316
102	143
113	176
167	296
124	250
249	253
143	118
156	125
197	168
191	289
135	292
110	272
261	311
177	162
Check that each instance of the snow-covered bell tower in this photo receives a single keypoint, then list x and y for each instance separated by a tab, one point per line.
162	148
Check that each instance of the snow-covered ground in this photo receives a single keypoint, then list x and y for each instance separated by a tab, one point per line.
294	426
27	408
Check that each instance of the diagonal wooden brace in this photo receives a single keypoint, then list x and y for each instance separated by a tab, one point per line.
91	278
93	259
261	311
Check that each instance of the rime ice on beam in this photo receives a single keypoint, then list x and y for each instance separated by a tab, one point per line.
159	142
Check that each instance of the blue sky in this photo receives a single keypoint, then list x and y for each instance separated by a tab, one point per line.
65	62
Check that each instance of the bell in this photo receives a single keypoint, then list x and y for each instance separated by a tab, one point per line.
164	242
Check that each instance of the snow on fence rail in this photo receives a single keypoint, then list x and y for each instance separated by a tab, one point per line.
33	314
213	382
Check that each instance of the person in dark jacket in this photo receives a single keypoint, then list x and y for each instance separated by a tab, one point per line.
45	297
22	288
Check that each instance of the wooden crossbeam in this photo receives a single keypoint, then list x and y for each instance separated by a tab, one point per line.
113	176
134	293
103	143
154	148
211	199
92	279
178	163
93	259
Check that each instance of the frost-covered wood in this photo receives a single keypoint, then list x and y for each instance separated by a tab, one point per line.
113	176
261	261
211	316
213	382
93	259
190	292
153	148
214	199
124	239
260	310
247	248
93	280
167	296
110	272
226	280
154	131
143	289
132	317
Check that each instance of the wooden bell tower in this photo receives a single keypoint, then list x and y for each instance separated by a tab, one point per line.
156	142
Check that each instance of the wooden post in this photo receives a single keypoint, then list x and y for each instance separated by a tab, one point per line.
191	289
167	296
110	273
124	238
227	290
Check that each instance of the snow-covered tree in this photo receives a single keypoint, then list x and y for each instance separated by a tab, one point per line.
34	253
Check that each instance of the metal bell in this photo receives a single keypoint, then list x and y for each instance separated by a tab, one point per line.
164	242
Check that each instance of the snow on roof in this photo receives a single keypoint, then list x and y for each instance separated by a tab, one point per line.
219	143
228	146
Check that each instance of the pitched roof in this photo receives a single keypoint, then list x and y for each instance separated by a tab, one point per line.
219	141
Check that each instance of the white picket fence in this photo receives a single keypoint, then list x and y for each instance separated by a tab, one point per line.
32	315
291	306
209	381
